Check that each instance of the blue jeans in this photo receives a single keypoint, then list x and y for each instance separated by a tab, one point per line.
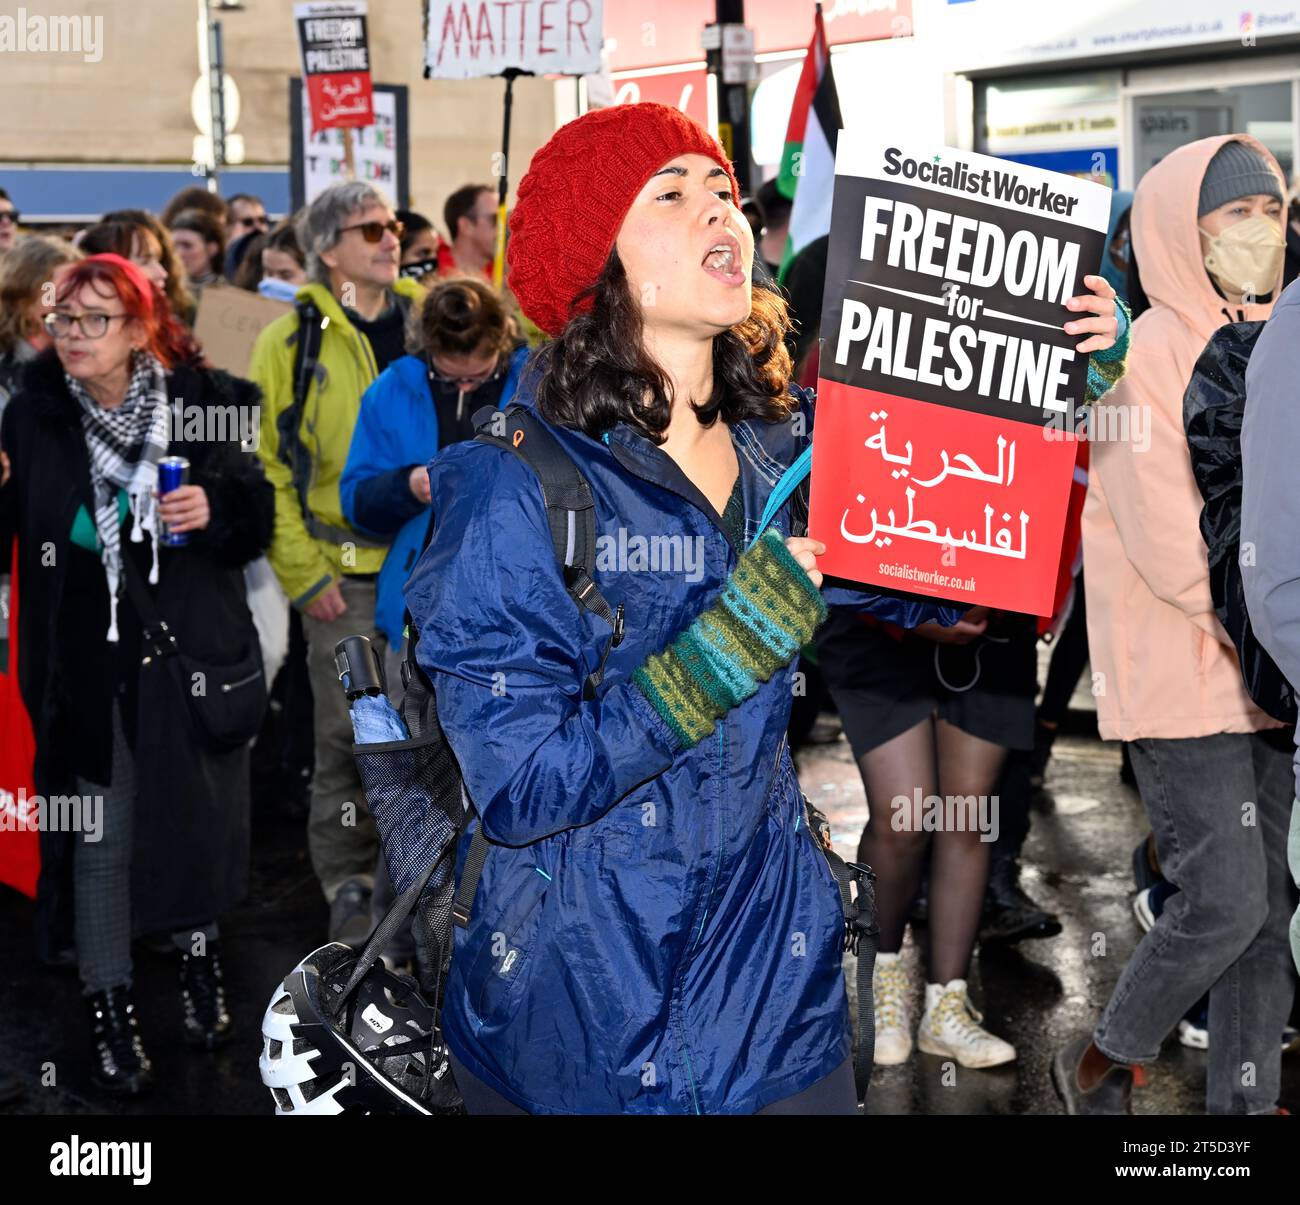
1293	856
1219	808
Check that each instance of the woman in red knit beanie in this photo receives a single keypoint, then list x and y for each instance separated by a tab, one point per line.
656	929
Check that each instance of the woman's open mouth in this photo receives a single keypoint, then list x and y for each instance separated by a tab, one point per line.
723	262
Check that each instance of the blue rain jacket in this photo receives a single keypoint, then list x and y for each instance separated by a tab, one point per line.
655	930
397	429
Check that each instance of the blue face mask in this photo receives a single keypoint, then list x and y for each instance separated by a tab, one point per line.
277	290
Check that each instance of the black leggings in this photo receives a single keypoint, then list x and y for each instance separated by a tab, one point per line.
830	1096
1069	656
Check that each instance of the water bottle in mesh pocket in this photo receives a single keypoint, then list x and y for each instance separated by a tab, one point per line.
413	788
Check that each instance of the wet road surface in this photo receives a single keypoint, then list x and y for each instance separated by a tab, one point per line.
1036	995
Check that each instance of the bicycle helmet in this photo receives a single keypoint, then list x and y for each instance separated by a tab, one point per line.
331	1046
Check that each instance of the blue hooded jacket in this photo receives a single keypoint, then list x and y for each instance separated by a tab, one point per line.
396	429
655	930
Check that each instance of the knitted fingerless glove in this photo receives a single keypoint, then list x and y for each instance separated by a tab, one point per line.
768	608
1106	367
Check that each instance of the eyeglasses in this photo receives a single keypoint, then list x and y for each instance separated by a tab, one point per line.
261	221
90	326
9	215
373	232
464	383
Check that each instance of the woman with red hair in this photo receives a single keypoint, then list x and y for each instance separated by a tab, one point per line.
138	660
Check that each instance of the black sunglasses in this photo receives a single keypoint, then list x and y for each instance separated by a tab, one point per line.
373	232
12	214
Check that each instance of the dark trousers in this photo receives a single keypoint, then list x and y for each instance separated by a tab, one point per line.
1219	807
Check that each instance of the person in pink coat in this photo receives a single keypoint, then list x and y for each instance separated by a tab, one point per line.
1214	775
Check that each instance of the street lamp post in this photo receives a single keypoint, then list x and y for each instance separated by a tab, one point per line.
212	68
733	96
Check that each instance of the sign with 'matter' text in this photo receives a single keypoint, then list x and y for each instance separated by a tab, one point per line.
944	447
469	38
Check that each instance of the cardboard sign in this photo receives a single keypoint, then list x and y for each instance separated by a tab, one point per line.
468	38
380	152
228	323
944	445
335	55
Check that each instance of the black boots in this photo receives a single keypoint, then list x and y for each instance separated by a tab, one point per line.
203	995
1009	914
121	1066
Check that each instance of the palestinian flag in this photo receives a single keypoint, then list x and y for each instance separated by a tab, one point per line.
807	174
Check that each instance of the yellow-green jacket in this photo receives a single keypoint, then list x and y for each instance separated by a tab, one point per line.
308	555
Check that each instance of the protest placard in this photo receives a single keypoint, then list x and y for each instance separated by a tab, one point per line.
381	152
228	322
469	38
944	443
335	52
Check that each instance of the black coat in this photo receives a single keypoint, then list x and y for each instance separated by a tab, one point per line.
190	858
1213	407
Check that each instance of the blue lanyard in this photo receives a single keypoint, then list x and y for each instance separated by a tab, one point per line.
790	481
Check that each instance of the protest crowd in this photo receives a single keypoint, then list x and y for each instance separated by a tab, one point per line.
333	486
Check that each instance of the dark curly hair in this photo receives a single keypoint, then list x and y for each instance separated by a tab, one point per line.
597	373
460	317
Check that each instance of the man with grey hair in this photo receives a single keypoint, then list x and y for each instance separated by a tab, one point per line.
313	365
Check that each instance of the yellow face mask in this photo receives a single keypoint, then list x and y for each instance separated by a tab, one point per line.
1246	258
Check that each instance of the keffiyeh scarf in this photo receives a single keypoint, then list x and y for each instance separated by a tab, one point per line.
125	445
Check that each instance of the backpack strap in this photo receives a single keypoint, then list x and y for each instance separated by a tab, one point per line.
306	357
861	938
571	517
570	511
467	886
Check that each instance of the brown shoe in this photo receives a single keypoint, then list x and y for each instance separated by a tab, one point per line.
1110	1095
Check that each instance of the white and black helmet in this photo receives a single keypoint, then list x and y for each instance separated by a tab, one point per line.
331	1045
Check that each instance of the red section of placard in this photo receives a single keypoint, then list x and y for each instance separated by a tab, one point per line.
341	101
966	506
684	90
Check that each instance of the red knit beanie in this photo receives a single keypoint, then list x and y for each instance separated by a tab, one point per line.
576	193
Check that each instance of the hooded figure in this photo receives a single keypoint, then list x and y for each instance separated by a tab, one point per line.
1114	259
1169	667
1207	232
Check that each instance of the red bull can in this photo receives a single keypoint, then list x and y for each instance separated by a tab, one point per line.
173	472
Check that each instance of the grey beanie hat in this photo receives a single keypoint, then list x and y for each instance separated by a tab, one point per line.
1237	170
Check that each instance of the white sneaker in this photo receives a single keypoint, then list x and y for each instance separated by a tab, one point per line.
893	1025
950	1026
1142	910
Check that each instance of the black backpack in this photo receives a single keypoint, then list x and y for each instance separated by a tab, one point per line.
1213	406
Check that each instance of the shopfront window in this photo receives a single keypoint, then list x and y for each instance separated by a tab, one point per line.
1167	120
1068	123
